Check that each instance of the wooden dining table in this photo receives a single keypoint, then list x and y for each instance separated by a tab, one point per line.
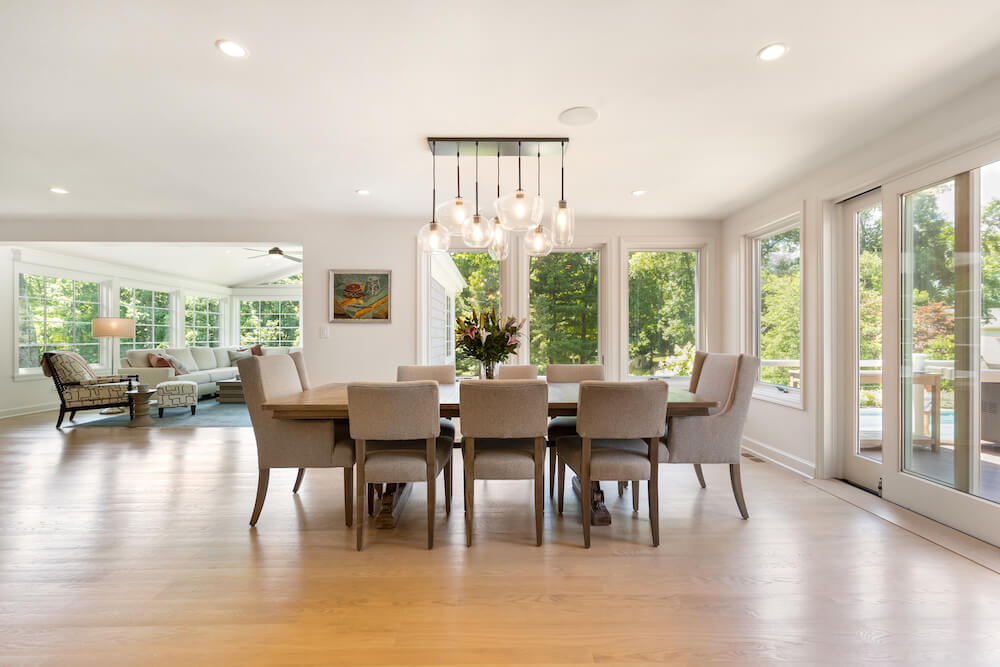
329	401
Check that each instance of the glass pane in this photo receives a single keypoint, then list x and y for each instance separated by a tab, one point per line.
564	308
29	356
90	353
869	231
90	292
989	455
143	297
661	312
31	286
779	306
58	289
161	299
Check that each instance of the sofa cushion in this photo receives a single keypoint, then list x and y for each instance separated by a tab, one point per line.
201	377
204	357
236	355
138	358
222	356
158	360
217	374
184	356
279	350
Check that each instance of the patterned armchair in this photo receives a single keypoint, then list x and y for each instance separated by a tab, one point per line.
79	388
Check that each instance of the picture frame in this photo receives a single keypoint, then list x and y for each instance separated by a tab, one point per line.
362	296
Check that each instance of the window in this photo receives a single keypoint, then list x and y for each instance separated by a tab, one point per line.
777	284
151	311
274	322
294	279
662	312
201	321
481	274
55	314
564	309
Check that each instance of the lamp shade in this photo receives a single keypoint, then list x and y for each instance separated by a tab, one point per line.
116	327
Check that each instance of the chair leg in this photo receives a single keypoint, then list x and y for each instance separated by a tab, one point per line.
539	489
701	476
654	507
449	473
59	419
364	492
160	411
349	495
371	499
734	477
194	408
298	480
468	457
585	492
431	490
552	469
635	495
72	415
562	485
262	477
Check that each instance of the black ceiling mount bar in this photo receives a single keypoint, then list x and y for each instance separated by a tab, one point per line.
507	146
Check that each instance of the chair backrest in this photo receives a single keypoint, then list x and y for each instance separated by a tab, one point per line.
265	378
716	374
300	366
394	410
66	368
518	372
622	409
574	372
444	374
504	408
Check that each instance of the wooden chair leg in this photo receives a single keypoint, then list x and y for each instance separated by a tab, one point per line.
585	490
635	495
59	419
431	490
552	469
364	491
298	480
701	476
72	415
468	458
349	496
449	473
262	477
194	408
621	489
371	499
654	508
539	488
160	411
737	482
562	485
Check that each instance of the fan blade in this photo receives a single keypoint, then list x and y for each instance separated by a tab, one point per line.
257	256
294	259
256	250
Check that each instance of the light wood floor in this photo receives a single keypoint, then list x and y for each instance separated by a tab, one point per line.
132	547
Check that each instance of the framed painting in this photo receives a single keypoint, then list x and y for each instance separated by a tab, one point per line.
360	296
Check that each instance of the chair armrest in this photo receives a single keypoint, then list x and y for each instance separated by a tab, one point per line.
714	439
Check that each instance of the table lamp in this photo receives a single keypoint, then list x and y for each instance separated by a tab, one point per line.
113	328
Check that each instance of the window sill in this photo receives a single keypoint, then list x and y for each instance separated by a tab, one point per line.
770	394
30	376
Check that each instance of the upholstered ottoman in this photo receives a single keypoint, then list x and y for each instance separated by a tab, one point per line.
177	394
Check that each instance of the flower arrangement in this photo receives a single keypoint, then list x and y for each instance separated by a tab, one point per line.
486	339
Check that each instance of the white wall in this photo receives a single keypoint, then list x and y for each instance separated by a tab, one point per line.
798	438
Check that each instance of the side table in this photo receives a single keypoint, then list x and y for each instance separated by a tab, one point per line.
139	401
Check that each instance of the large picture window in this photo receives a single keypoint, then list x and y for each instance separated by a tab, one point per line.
202	321
564	308
55	314
778	288
274	322
151	311
481	293
662	312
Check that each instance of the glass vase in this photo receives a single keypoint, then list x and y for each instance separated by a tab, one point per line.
487	370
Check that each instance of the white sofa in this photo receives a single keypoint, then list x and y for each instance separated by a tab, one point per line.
208	365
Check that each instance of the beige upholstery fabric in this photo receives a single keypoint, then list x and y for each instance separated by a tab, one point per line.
177	393
205	358
287	443
715	381
404	461
138	358
505	458
70	367
392	410
81	396
609	459
504	408
574	372
517	372
622	409
716	438
300	366
444	374
184	356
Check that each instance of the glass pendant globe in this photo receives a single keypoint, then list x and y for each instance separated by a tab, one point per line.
538	242
562	225
500	242
434	238
476	232
519	211
453	214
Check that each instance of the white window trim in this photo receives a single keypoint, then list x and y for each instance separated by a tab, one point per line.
791	396
265	296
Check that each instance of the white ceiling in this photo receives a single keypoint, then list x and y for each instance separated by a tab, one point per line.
132	109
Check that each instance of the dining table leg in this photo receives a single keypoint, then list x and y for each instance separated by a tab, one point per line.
390	505
599	514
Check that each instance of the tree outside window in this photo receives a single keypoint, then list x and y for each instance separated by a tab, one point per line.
662	313
55	314
564	308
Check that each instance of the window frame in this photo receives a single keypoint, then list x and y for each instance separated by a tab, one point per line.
221	312
240	299
172	295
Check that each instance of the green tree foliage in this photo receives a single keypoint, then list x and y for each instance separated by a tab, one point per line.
661	309
55	314
564	308
481	294
780	301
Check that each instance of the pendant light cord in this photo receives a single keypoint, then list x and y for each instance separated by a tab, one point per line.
538	185
498	172
434	181
458	170
562	171
477	178
519	165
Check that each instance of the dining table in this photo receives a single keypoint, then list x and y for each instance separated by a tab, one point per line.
329	402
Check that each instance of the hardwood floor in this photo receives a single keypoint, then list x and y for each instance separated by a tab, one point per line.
131	546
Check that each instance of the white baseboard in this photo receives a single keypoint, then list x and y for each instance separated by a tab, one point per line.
783	459
28	409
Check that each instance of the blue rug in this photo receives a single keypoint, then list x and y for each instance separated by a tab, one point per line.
209	413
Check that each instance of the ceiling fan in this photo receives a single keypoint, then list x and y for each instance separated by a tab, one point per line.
276	251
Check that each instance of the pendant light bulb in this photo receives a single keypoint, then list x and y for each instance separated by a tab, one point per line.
453	212
499	248
476	232
519	211
563	223
434	237
538	242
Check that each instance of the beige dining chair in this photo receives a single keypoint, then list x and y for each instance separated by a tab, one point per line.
291	444
566	425
717	438
503	426
300	366
442	374
517	372
397	435
619	426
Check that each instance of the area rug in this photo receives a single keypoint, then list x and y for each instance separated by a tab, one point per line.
209	413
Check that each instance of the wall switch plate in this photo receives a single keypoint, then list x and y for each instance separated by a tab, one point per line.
324	332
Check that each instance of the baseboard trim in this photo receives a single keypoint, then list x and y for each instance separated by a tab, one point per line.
28	410
778	457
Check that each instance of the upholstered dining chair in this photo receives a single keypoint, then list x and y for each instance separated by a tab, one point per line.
563	426
442	374
286	443
619	426
504	423
300	367
517	372
397	435
717	438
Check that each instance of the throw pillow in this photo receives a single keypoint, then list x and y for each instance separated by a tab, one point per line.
159	360
236	355
256	351
176	363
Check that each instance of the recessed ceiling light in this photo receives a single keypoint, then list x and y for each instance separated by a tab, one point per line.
59	191
638	193
578	116
231	48
772	52
362	192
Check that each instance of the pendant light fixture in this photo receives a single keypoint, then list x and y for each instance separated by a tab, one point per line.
563	224
475	232
454	213
538	241
434	237
500	238
519	212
